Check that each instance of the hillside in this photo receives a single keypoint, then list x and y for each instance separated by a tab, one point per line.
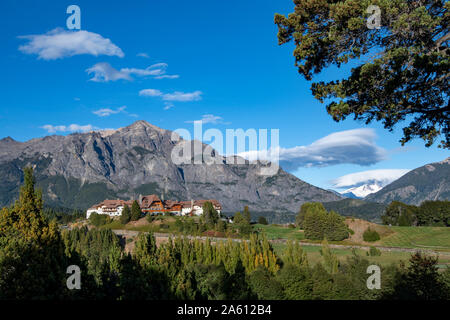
357	208
81	169
430	182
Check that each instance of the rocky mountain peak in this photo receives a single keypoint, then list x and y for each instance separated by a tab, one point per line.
82	169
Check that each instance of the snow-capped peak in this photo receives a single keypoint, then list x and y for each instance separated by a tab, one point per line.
363	190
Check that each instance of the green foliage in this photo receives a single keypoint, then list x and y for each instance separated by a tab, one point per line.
136	212
331	262
305	208
429	213
32	261
246	215
404	78
238	219
242	222
99	219
296	282
374	252
126	215
294	255
210	214
262	220
371	235
420	281
319	224
34	256
221	226
63	215
398	213
265	286
434	213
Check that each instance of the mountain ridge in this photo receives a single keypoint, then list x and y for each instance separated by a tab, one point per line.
80	169
429	182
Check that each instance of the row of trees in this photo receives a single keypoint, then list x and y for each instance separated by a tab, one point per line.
429	213
320	224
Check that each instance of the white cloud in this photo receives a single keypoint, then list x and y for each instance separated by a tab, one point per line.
60	43
168	105
352	147
175	96
208	118
142	55
70	128
381	176
150	93
168	76
182	96
104	72
105	112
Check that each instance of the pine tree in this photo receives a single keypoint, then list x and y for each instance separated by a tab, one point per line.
126	215
331	262
32	260
246	215
210	214
135	211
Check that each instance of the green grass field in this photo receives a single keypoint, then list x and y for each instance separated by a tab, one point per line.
435	238
278	232
386	258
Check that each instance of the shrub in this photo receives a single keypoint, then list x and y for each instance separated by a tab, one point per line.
262	220
99	219
371	235
373	252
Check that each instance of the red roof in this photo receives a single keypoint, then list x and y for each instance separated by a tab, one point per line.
147	201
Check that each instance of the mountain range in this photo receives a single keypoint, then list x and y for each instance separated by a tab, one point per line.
429	182
81	169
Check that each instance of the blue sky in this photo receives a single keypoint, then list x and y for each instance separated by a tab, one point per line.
216	60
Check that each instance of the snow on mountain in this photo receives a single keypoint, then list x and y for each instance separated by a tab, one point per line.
362	191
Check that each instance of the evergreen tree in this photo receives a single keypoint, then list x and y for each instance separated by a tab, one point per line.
331	262
210	214
420	281
136	212
32	260
238	219
399	72
246	215
126	215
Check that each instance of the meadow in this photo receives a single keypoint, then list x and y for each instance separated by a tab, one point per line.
435	238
